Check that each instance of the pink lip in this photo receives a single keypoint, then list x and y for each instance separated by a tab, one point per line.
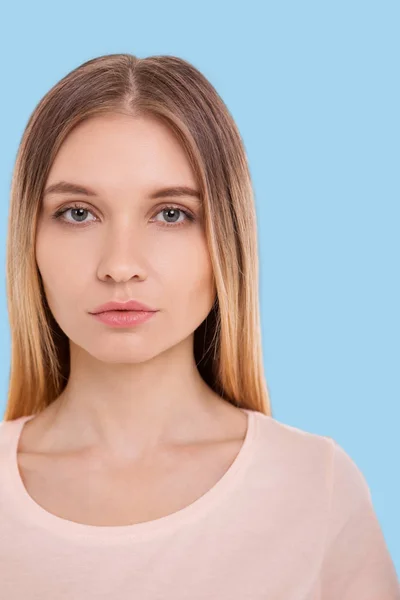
129	305
127	318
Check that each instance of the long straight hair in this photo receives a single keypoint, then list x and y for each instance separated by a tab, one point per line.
227	345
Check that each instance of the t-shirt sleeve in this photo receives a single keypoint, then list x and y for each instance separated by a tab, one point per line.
356	561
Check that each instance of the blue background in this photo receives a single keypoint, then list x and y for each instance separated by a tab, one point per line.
314	89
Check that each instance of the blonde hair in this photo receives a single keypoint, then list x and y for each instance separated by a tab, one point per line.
227	344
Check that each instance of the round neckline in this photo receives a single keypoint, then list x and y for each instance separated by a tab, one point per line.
145	529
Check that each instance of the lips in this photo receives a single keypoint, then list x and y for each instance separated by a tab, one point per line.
130	305
124	318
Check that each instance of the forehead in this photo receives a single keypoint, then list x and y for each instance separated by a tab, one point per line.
117	150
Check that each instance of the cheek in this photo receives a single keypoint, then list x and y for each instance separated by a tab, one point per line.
63	274
192	280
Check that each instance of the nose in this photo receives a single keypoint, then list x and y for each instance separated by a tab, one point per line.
123	255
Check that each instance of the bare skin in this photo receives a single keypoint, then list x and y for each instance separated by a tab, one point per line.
88	487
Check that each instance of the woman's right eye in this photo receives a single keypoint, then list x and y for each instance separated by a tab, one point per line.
78	210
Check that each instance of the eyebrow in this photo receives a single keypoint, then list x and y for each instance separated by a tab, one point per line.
65	187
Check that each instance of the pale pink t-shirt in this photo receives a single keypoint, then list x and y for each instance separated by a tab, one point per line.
291	519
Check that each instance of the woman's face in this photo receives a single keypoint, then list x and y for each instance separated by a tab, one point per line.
124	244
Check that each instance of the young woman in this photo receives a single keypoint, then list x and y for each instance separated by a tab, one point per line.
138	453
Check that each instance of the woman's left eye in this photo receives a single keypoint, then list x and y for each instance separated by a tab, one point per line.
171	213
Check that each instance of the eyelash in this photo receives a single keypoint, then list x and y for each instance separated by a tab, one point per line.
60	212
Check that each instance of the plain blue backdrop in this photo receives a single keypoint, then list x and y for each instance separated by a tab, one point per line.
314	89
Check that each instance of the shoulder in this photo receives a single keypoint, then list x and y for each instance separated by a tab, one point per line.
9	429
308	463
7	426
288	444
